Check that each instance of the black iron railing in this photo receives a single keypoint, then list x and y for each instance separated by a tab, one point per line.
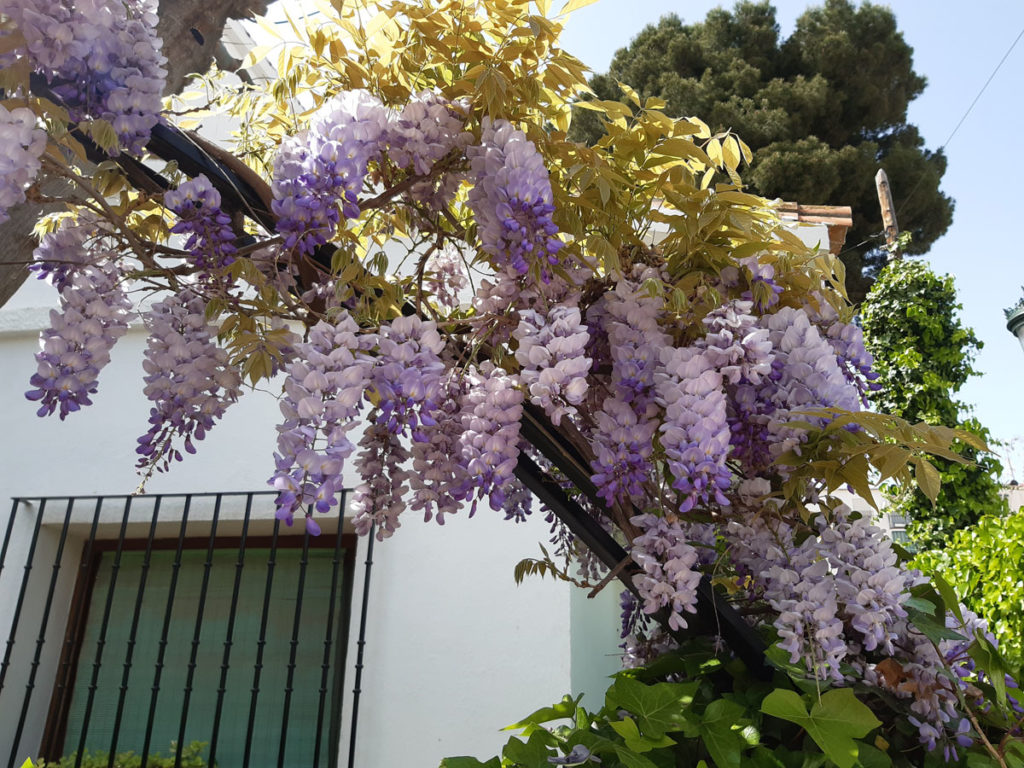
148	623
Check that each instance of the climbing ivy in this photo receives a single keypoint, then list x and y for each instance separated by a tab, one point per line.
923	356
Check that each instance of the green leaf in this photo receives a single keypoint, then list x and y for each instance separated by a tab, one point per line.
989	658
933	629
927	477
659	707
834	721
635	741
565	708
533	753
718	731
949	596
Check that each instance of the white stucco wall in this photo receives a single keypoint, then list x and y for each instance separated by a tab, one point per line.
455	650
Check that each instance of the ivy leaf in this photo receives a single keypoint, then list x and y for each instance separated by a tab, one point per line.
565	708
635	741
717	730
533	753
834	721
659	707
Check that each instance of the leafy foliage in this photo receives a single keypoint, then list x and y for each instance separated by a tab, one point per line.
191	757
983	563
821	110
721	716
923	356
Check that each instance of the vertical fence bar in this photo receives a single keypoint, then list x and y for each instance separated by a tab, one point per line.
293	652
133	632
5	665
164	631
102	641
70	653
7	534
229	635
258	666
325	665
360	644
41	639
198	631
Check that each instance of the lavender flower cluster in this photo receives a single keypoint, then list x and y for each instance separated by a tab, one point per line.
512	201
22	143
210	238
841	599
189	379
324	389
488	448
101	58
552	358
670	578
325	166
94	313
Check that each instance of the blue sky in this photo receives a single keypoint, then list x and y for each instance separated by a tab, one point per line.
956	46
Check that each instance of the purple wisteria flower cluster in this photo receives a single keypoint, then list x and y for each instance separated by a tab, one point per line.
841	599
324	389
446	277
488	447
668	560
626	423
189	379
22	143
324	167
511	200
198	207
94	313
552	358
101	59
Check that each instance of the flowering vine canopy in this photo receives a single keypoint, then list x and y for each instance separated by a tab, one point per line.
401	236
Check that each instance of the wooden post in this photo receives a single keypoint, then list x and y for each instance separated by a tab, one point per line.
888	212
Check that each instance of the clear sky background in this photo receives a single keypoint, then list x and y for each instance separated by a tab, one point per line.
956	46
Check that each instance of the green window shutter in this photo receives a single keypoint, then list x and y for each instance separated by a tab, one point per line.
305	699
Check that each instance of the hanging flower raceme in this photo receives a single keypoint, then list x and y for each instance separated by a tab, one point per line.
552	357
379	499
670	577
210	238
436	473
21	144
695	432
407	376
446	277
489	445
323	395
94	313
102	59
512	201
189	379
323	167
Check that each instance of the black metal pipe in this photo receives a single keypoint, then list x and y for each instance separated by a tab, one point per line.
102	640
133	631
164	631
41	639
293	649
325	665
6	663
360	644
261	643
197	633
230	633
